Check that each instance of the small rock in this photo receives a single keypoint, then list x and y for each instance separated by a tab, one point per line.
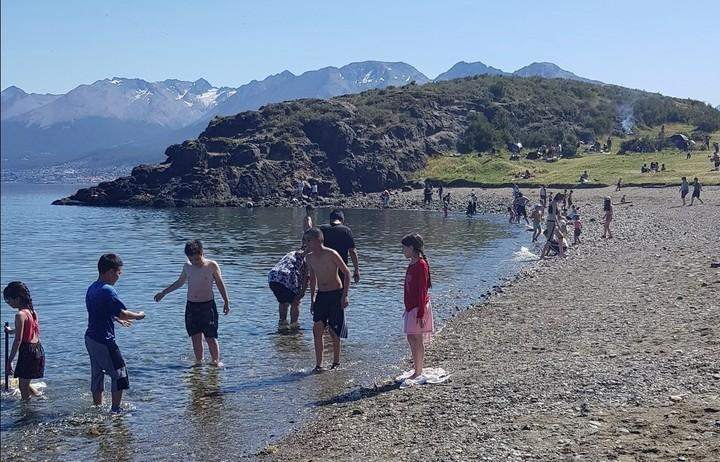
676	398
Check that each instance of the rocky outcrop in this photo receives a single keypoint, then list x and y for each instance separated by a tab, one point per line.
355	143
256	156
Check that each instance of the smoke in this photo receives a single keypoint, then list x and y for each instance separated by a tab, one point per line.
627	119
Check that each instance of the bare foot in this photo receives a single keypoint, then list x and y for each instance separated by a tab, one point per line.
217	363
35	391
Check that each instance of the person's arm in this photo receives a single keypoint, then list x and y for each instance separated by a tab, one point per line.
127	315
174	286
346	277
313	284
19	327
217	275
356	264
118	310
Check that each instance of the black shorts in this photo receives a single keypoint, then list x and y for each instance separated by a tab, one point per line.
282	293
696	194
328	310
683	194
521	211
577	233
201	317
31	361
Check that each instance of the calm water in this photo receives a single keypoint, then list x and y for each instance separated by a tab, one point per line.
178	412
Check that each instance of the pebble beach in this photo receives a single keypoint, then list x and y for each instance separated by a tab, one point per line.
612	353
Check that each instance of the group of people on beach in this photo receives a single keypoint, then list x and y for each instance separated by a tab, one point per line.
321	263
559	213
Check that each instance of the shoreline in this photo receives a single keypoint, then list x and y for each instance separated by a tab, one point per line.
556	377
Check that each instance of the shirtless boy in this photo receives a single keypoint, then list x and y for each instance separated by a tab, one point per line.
329	303
201	316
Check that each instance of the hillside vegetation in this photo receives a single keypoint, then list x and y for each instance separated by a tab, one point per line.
382	138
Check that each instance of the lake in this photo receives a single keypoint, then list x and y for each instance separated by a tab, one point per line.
174	411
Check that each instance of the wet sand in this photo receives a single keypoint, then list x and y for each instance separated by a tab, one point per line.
610	354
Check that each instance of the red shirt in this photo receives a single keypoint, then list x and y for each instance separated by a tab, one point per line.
417	280
30	328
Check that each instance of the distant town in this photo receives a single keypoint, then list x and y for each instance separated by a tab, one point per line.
64	174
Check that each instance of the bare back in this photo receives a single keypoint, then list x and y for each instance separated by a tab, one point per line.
200	281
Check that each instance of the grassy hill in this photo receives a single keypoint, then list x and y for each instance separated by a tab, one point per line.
603	168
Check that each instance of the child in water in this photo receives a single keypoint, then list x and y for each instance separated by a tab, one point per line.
418	317
201	316
31	357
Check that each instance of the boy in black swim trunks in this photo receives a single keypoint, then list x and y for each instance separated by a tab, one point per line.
201	315
329	303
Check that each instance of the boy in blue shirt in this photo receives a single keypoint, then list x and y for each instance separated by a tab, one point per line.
104	308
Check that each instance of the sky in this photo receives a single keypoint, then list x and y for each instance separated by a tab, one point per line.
656	45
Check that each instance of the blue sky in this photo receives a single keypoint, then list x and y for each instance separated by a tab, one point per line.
52	46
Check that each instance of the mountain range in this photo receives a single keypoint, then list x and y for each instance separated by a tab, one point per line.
125	121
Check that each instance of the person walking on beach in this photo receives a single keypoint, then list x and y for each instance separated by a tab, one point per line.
619	184
543	196
577	229
339	237
552	230
684	189
288	280
697	187
201	315
570	200
308	221
418	319
329	303
31	356
104	307
607	217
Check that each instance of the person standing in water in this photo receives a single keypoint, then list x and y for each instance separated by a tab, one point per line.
697	187
329	303
308	221
552	227
446	204
201	315
339	237
104	307
607	217
31	356
418	319
288	280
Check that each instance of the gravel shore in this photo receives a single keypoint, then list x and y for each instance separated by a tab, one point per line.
610	354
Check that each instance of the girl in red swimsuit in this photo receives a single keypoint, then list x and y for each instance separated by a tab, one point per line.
418	325
31	357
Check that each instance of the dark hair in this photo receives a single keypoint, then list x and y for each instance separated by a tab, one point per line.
108	262
313	233
309	207
17	289
337	215
416	242
607	204
193	247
